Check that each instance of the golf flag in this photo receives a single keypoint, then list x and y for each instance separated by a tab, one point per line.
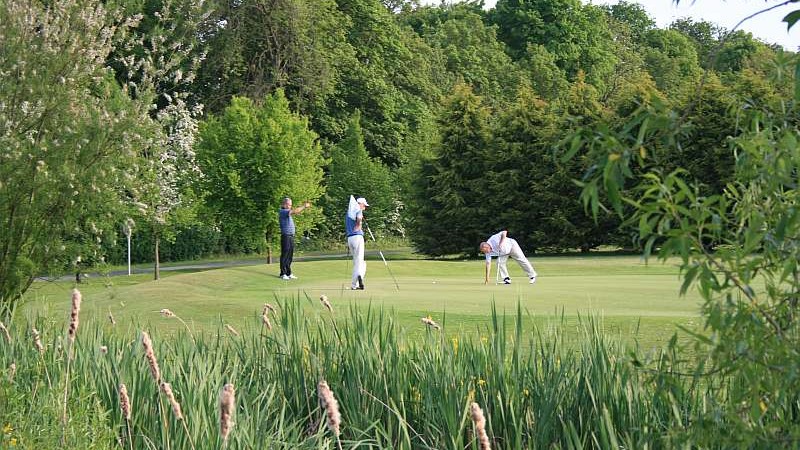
353	209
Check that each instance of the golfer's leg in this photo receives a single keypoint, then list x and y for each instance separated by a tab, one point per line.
362	266
519	257
502	266
290	255
351	244
284	253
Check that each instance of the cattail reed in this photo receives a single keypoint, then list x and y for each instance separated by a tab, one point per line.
5	332
73	316
227	402
37	340
124	402
111	318
176	407
151	357
479	421
232	330
429	322
167	313
324	299
328	402
265	321
268	308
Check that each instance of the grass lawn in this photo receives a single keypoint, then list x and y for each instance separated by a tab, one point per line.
636	301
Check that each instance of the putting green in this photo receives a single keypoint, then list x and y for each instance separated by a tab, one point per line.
636	300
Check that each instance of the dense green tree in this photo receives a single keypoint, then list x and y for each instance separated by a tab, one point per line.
704	36
473	54
671	60
451	209
541	71
635	18
576	34
251	157
353	172
69	137
257	46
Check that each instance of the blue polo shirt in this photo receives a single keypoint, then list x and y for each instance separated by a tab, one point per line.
350	224
286	221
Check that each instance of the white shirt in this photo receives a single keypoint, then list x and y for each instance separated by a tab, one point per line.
497	249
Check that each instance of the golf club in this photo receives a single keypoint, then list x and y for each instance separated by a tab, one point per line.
381	253
497	272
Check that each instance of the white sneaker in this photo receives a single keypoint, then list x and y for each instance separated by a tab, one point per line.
285	277
533	280
292	277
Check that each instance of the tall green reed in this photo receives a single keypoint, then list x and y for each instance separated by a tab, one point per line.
395	388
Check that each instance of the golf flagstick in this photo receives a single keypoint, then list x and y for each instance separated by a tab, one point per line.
381	253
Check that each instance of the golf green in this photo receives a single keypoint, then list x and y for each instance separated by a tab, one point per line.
638	301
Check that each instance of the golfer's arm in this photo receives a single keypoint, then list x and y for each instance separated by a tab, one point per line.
298	210
487	271
358	223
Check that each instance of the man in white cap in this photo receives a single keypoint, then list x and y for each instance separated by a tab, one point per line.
353	223
502	246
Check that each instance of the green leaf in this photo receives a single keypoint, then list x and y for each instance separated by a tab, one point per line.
791	19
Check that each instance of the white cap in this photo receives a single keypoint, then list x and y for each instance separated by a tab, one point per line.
363	201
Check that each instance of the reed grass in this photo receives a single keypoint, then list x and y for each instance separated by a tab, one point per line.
395	388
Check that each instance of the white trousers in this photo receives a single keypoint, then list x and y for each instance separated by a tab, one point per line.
517	255
356	245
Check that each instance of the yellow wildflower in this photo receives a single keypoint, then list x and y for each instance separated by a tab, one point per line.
455	344
13	442
481	381
526	392
7	429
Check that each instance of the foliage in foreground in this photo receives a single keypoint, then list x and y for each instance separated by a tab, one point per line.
394	390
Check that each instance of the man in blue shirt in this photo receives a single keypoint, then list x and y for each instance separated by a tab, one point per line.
287	236
353	223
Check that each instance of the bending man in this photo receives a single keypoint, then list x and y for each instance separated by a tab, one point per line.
502	246
353	223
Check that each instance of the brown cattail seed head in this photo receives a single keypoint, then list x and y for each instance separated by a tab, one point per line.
479	421
167	313
73	316
328	402
37	340
324	299
429	322
232	330
265	321
176	407
111	318
227	402
151	357
124	401
5	332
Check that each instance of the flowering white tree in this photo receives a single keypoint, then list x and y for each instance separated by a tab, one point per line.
160	60
69	136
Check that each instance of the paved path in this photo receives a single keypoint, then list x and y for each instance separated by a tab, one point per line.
219	264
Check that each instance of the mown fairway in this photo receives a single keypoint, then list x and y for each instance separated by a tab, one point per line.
635	300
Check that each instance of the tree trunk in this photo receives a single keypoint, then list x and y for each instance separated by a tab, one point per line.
157	271
269	255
